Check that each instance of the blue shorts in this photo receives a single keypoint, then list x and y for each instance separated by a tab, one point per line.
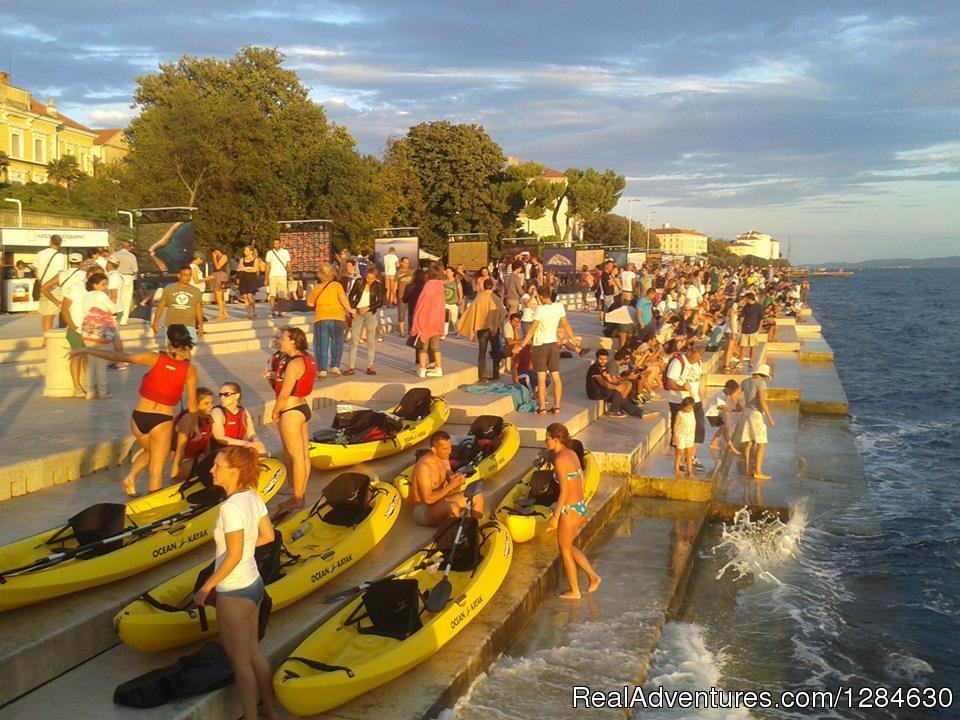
253	592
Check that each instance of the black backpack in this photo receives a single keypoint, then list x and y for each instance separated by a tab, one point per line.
348	495
393	607
466	554
201	672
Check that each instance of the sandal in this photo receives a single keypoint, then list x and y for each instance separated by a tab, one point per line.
555	410
541	411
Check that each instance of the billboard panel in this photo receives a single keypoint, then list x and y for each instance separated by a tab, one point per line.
308	242
590	258
473	254
406	247
167	236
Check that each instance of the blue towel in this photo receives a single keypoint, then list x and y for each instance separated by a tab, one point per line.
522	399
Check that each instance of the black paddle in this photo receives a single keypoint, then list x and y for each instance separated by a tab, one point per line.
59	557
357	589
440	594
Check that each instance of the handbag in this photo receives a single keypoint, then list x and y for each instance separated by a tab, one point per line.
98	327
413	340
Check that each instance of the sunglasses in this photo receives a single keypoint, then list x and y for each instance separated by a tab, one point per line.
228	394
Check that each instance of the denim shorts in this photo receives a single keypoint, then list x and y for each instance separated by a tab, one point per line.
253	592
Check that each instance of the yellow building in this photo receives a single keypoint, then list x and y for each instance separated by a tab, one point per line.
110	146
676	241
33	133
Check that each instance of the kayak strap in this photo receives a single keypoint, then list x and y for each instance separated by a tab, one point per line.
513	511
153	602
316	665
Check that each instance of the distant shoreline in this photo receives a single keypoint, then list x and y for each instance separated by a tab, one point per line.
952	261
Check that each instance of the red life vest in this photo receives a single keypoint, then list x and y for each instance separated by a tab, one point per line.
303	386
164	382
234	424
195	446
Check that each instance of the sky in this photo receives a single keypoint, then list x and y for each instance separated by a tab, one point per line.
834	126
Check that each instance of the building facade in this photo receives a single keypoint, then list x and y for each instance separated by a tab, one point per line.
33	133
757	244
676	241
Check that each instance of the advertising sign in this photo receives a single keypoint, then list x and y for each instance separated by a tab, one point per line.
472	254
167	234
590	258
405	247
308	242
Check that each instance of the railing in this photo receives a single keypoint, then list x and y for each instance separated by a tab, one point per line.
8	218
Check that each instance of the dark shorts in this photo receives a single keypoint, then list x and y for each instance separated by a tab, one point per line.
545	357
715	421
76	342
627	328
431	344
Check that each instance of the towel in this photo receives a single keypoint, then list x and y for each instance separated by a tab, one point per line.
430	311
485	313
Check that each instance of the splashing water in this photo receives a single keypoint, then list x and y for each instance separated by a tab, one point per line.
759	545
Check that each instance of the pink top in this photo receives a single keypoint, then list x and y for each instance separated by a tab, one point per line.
430	311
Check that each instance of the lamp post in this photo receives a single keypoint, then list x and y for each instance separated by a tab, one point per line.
129	217
630	202
19	210
650	214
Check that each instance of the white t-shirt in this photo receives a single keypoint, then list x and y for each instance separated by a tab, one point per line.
682	373
98	299
49	263
76	294
278	259
626	280
69	278
625	315
240	511
693	296
548	320
528	312
101	261
390	262
115	282
720	400
508	333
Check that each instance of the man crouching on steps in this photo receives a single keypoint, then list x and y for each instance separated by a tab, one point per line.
435	491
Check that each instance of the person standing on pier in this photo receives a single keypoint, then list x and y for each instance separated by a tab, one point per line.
293	383
754	431
569	511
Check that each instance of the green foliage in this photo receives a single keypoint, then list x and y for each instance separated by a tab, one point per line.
240	140
55	200
4	164
401	195
718	254
610	230
64	170
590	194
463	184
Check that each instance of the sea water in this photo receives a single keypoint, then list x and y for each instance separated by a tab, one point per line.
863	593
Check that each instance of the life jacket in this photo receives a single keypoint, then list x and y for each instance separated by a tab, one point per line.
304	385
195	445
234	424
164	382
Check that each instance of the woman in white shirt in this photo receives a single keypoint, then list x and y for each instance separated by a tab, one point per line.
529	303
97	297
242	526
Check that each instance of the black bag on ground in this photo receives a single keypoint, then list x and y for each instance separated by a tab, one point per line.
486	427
201	672
349	496
393	606
466	554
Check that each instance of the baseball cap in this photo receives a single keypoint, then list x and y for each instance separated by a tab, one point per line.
762	369
74	257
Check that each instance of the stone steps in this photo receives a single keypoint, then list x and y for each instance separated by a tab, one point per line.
620	444
90	684
815	349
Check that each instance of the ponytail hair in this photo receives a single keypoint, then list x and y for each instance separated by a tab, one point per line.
246	461
558	431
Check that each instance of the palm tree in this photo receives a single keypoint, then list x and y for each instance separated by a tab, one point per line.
64	171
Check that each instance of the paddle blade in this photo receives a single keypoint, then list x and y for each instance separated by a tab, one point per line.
342	595
439	596
473	489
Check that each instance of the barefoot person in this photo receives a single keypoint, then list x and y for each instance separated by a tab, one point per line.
160	391
718	415
242	526
293	383
684	427
754	431
436	492
571	508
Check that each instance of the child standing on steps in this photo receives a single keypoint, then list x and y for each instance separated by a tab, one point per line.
684	430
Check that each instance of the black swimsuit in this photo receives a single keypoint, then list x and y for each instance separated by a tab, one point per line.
147	421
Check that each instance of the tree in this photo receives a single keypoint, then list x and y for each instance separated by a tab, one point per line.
397	180
4	164
460	171
610	230
64	171
589	195
240	140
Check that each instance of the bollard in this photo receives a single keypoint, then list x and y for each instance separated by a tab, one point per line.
56	374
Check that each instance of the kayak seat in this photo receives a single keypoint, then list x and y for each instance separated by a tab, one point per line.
486	427
360	425
465	555
99	521
544	488
415	404
207	497
348	495
392	607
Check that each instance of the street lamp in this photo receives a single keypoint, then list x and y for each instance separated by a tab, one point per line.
19	210
650	214
630	203
129	217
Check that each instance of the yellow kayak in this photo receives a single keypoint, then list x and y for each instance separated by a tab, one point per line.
388	630
319	543
488	446
527	520
110	541
414	419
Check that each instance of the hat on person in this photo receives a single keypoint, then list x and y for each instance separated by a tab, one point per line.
762	369
74	257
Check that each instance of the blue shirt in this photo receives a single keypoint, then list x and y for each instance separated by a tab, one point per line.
645	307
